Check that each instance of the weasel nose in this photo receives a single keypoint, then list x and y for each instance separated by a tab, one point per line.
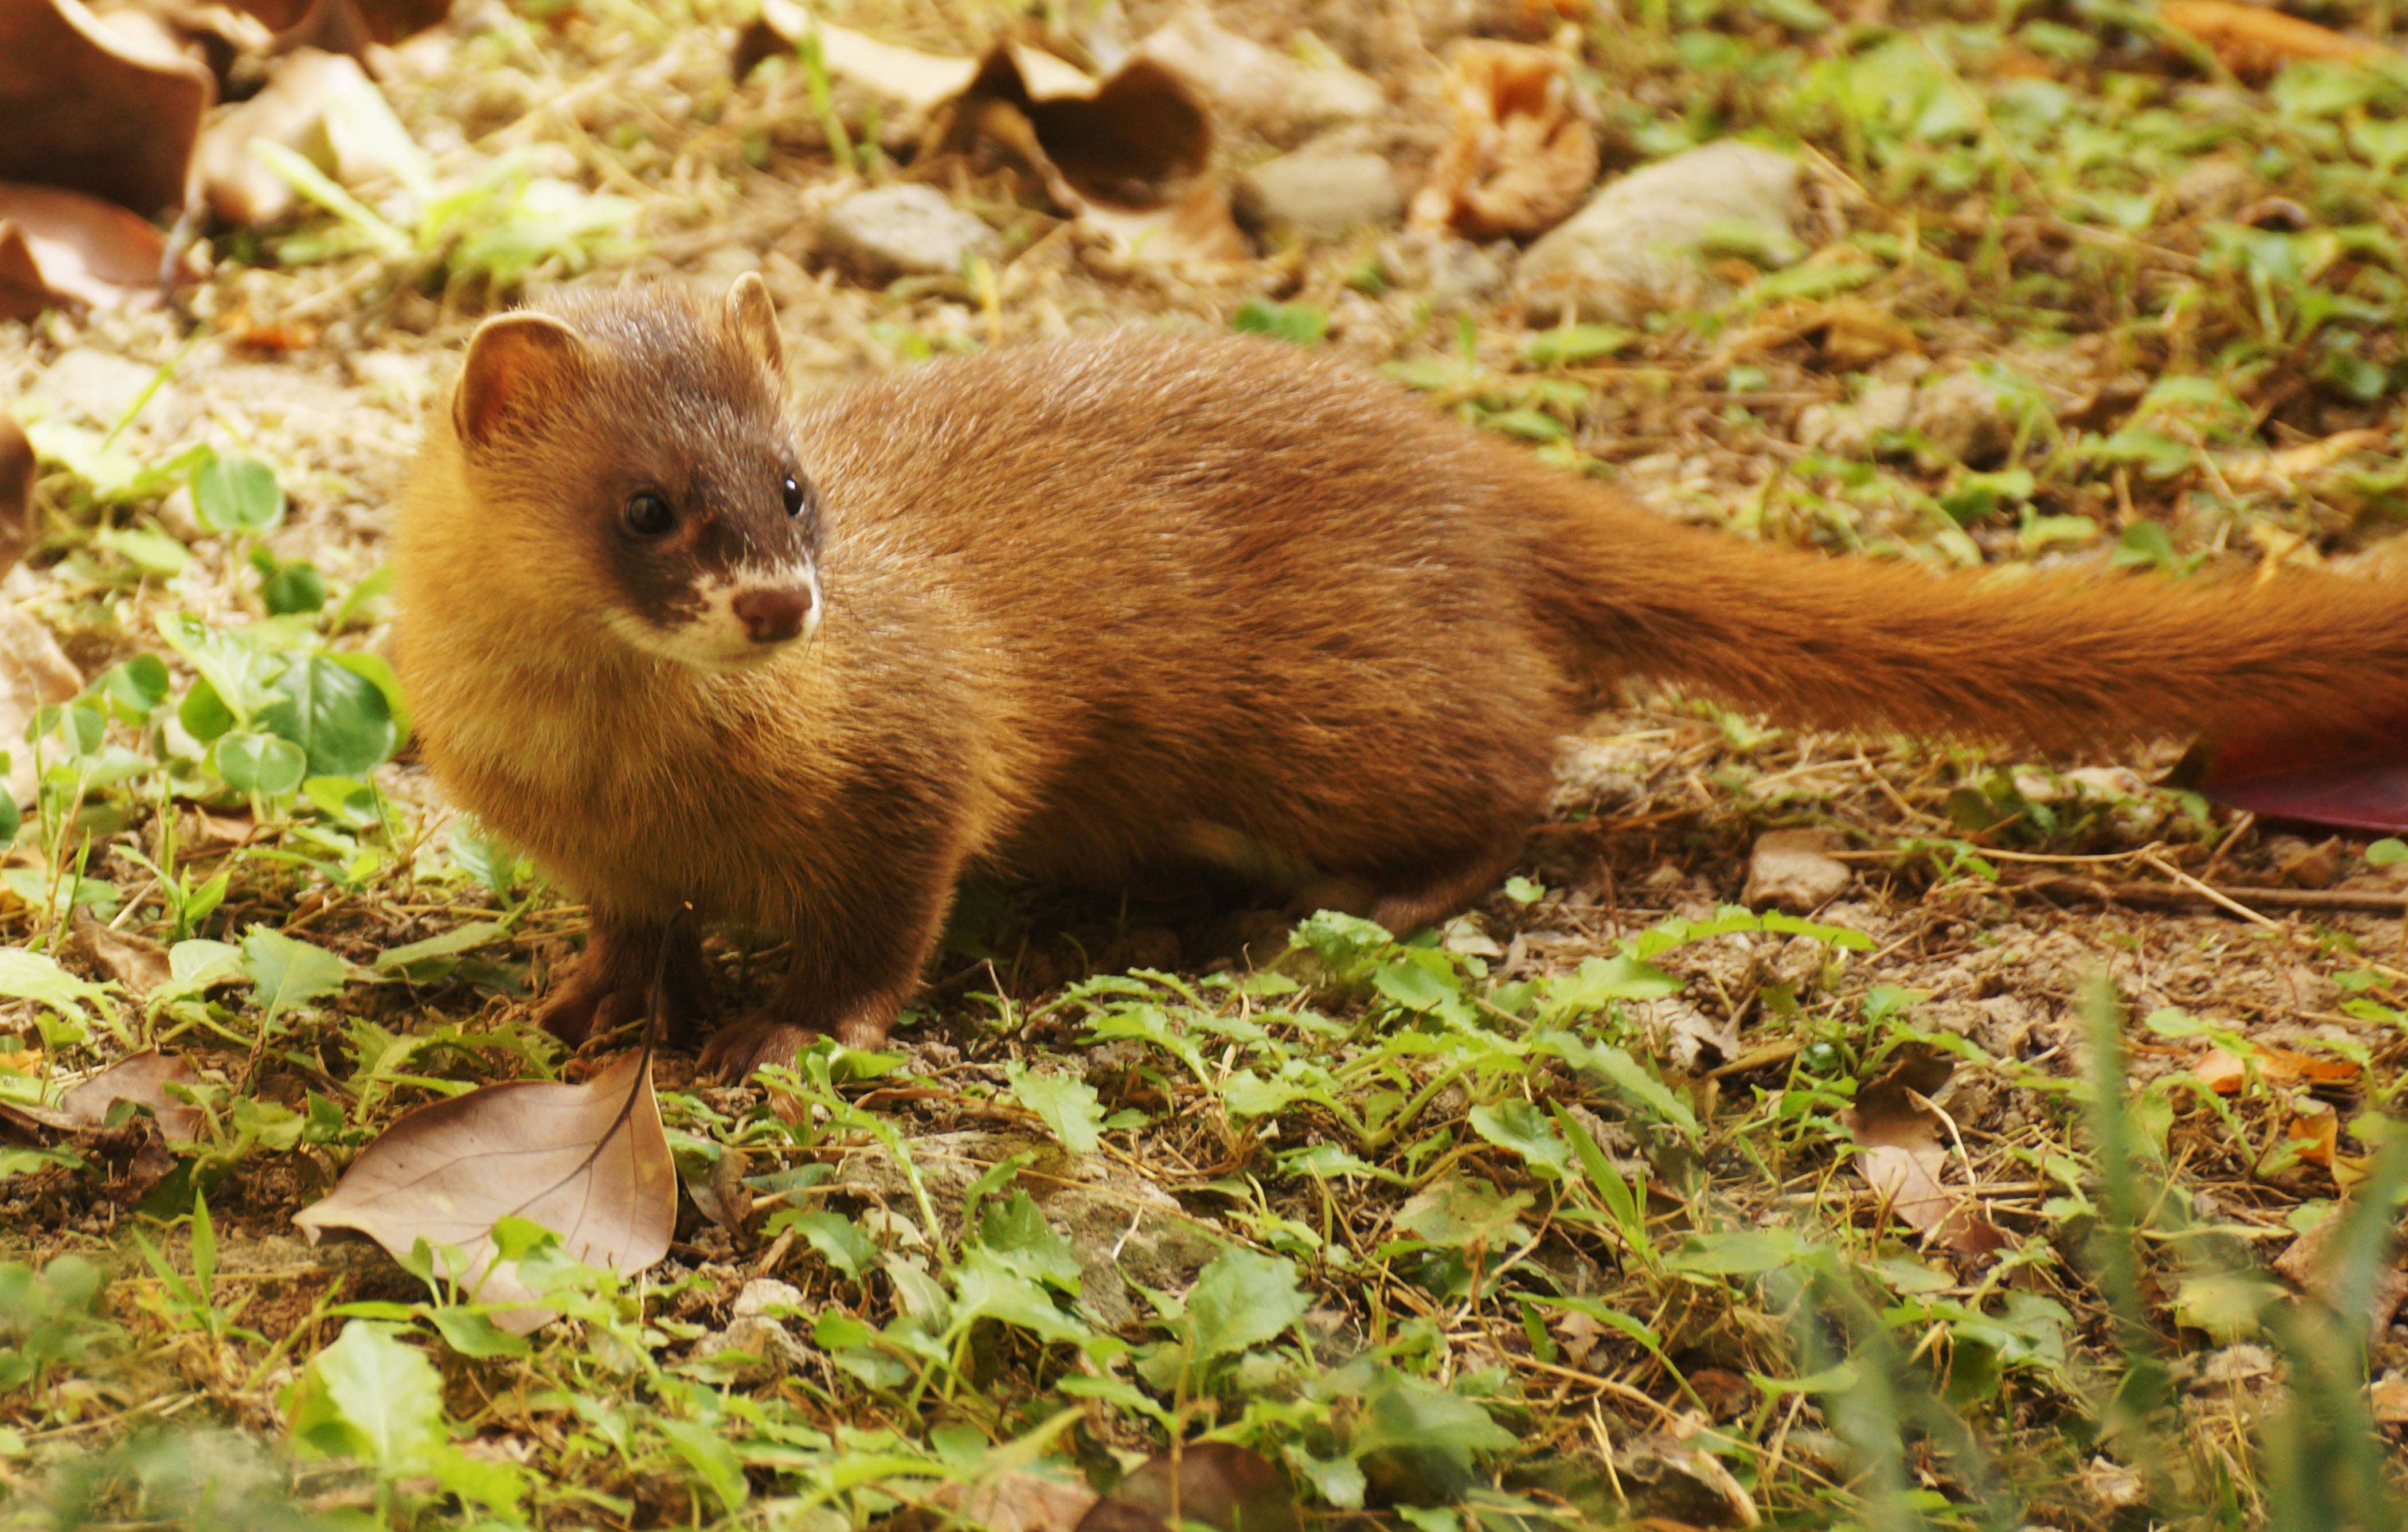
772	616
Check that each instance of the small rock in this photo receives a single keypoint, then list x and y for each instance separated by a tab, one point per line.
1665	1477
1789	870
772	1348
758	1295
1448	271
1321	194
903	231
1632	249
2212	188
1961	415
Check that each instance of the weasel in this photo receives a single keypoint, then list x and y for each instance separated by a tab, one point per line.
1077	609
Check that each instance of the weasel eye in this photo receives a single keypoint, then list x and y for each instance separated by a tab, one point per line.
794	493
649	516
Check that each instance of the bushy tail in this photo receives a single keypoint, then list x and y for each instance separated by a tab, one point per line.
2314	662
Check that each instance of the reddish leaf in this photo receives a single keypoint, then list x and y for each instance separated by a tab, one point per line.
88	107
1213	1483
62	247
2255	40
588	1162
140	1078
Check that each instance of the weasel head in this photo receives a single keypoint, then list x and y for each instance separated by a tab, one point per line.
632	449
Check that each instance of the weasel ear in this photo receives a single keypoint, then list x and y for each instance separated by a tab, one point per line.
754	318
517	365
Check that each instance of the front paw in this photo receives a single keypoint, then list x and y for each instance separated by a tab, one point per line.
581	1012
740	1047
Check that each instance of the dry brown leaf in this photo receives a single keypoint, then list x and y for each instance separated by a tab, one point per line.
2314	1135
588	1162
301	109
2253	41
62	247
142	1079
329	24
87	108
1128	155
16	469
1213	1484
1273	93
1015	1500
1520	160
34	674
2285	467
1579	1333
2224	1072
1902	1156
2308	1265
137	962
2388	1398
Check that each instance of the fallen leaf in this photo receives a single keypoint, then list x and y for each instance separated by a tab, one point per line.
2388	1398
1013	1501
318	24
16	468
1128	155
588	1162
2225	1072
2253	41
1519	159
34	674
64	246
1900	1155
2308	1264
2314	1135
912	79
2285	467
1210	1483
89	108
1580	1333
1276	94
137	962
323	107
1663	1476
142	1079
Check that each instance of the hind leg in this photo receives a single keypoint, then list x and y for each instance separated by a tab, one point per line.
1409	904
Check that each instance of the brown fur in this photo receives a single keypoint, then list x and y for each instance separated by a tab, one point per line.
1110	601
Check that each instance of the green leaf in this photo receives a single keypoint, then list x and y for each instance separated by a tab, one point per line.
987	1286
2386	852
292	589
1067	1103
423	959
1297	324
152	554
1524	1129
385	1391
31	976
1015	1230
1738	1252
837	1238
287	973
338	716
1407	1415
1462	1212
1569	345
235	494
259	763
472	1334
708	1452
1242	1300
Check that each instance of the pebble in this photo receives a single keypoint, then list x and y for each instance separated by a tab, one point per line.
1321	194
1632	249
1790	869
903	231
